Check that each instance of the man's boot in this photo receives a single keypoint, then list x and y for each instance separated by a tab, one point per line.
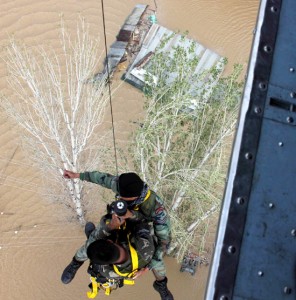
89	228
70	271
161	287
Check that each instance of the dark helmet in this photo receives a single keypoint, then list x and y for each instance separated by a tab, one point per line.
130	185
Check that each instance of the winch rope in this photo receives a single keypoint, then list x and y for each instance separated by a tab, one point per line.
109	85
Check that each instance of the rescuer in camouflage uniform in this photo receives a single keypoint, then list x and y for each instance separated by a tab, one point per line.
141	201
108	232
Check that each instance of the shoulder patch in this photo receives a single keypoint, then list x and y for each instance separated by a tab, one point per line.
160	215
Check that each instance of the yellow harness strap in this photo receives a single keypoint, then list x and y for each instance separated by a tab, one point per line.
95	290
146	197
128	281
96	287
106	288
135	262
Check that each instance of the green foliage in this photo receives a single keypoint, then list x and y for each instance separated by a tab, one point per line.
182	147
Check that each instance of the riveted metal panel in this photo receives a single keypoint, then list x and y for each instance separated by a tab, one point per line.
268	250
255	254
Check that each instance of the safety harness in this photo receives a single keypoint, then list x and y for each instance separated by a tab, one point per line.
113	284
137	206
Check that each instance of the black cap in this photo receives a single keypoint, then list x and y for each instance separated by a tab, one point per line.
103	252
130	185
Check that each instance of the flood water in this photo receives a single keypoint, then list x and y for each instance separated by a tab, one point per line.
36	242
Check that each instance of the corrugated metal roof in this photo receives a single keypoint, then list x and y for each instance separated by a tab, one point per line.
208	58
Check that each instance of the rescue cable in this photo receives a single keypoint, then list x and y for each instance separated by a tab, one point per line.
109	85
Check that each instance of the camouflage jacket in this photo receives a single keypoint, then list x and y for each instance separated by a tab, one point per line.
153	209
140	238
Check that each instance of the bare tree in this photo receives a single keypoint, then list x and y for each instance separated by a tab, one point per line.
182	143
59	107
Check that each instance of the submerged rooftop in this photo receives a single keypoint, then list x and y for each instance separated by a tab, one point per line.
137	41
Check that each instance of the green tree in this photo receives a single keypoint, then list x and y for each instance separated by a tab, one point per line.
180	148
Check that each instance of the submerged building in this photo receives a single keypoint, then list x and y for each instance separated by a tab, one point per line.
137	41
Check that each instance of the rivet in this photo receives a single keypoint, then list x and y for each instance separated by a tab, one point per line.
271	205
290	120
274	9
231	249
262	86
291	70
16	232
260	273
240	200
281	144
287	290
2	213
293	232
223	297
293	95
248	155
267	48
257	110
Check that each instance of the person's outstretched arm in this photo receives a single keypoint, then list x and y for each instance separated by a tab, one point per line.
104	179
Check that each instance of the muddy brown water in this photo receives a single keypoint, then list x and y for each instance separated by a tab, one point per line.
37	239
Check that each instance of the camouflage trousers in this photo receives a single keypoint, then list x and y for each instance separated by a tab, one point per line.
158	268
